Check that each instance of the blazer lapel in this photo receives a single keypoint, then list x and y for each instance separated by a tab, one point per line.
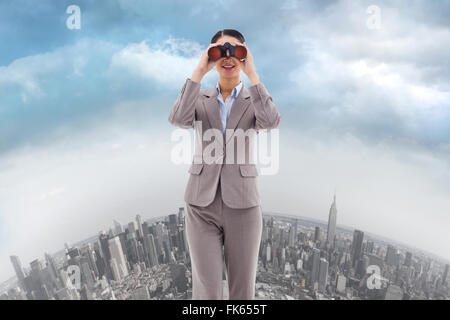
212	109
240	105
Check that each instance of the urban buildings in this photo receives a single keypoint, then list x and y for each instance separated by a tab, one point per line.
149	259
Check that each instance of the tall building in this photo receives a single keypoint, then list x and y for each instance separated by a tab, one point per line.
315	267
181	215
178	275
119	265
36	266
444	277
332	217
35	279
51	264
291	240
88	251
341	283
358	237
152	254
139	225
87	273
317	234
361	266
117	227
105	254
323	274
132	228
295	230
391	255
408	259
173	222
369	246
19	270
117	274
268	253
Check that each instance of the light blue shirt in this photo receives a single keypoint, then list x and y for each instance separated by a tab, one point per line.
225	106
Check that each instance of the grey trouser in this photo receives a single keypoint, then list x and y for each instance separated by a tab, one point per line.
239	232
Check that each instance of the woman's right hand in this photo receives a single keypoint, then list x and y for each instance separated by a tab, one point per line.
205	65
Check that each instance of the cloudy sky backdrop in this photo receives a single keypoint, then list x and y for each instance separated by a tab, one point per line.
84	136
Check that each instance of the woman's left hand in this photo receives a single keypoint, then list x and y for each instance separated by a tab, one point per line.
247	65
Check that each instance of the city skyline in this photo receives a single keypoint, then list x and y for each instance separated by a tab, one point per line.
355	259
332	213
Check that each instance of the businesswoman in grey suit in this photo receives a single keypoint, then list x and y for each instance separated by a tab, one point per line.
222	197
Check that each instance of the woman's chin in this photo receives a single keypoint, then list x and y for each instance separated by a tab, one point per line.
229	74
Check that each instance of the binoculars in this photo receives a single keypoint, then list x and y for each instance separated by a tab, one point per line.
239	52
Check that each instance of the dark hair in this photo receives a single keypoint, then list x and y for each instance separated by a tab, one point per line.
228	32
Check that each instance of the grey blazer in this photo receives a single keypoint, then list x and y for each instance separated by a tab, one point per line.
199	109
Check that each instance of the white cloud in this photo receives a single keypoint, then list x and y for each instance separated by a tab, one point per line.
52	192
166	64
30	74
405	62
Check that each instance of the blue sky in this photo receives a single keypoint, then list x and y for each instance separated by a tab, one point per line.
366	111
34	31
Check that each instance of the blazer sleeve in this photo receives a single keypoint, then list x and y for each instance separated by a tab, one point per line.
267	115
182	113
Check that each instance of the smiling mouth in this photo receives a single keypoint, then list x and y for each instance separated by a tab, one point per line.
228	67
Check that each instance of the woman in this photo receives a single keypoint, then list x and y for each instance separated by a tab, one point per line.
222	198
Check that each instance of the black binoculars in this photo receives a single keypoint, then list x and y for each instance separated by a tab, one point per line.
238	51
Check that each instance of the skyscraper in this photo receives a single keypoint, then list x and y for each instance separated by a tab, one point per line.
152	254
361	266
358	237
315	267
119	265
291	239
391	255
51	264
117	227
105	253
323	274
444	277
181	215
132	228
332	223
408	259
341	283
317	235
19	270
369	247
139	225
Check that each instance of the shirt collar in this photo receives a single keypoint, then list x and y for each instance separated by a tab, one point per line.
236	89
